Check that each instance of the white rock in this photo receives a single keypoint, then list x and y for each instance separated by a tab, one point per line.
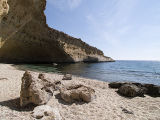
45	112
67	77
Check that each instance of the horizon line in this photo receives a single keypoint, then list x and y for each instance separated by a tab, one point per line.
135	60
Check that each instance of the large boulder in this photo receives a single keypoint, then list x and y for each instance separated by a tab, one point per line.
35	90
152	90
130	90
77	93
46	112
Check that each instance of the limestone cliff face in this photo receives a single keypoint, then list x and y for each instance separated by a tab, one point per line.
25	36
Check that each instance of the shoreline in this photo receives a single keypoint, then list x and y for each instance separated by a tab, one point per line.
108	105
129	74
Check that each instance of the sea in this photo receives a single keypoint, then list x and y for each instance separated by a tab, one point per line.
121	70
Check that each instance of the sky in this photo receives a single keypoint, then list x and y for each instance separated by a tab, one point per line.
122	29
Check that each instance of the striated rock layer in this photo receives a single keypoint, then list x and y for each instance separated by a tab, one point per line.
25	37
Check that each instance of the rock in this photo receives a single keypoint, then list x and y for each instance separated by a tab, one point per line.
126	111
35	90
152	90
115	84
4	8
53	82
67	77
137	84
149	89
26	37
55	64
130	90
41	76
45	112
77	93
119	84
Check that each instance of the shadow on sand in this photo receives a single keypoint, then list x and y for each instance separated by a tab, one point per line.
14	104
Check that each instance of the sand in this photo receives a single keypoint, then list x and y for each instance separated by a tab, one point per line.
108	105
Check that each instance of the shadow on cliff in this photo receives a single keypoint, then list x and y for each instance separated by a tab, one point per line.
12	52
14	104
91	59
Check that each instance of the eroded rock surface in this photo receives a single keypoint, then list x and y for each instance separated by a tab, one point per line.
152	90
77	92
4	8
130	90
35	90
116	84
25	36
45	112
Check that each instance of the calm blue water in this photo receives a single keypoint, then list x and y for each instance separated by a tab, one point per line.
135	71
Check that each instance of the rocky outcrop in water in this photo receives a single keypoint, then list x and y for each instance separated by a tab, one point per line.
25	37
131	89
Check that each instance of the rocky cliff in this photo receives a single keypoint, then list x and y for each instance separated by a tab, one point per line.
25	36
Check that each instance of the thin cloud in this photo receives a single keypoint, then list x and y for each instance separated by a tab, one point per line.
115	21
74	3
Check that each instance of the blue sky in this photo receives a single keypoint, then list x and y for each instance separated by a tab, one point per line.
122	29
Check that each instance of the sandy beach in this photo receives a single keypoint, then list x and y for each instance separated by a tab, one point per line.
108	105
